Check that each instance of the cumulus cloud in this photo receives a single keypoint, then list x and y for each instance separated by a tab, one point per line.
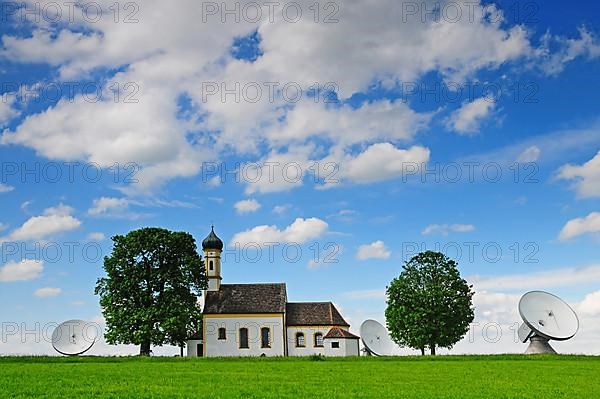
580	226
7	112
24	270
590	304
470	116
54	221
565	50
247	206
300	231
445	229
4	188
375	250
563	277
366	46
383	161
586	177
47	292
111	207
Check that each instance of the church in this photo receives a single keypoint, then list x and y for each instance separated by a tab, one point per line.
258	320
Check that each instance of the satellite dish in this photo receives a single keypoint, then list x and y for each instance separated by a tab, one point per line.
376	339
546	317
74	337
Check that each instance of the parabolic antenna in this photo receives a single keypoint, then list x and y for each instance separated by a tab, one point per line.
545	317
74	337
376	339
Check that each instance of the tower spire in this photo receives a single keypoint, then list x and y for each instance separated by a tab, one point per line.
212	247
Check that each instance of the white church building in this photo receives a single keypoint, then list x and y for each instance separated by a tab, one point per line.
257	319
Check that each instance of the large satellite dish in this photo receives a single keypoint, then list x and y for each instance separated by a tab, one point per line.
74	337
546	317
376	339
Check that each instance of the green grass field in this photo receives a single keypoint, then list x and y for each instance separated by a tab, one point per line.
404	377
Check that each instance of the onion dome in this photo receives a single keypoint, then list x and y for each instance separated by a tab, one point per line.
212	241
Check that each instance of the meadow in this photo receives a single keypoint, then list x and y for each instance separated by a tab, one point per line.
510	376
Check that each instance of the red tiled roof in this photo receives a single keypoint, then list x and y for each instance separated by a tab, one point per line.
337	332
313	314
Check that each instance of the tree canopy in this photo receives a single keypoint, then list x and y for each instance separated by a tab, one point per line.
150	293
429	305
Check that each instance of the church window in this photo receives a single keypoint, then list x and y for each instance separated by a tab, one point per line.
300	340
335	345
318	340
222	333
265	337
244	338
210	265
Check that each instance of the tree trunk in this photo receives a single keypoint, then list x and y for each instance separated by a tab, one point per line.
181	351
432	347
423	351
145	348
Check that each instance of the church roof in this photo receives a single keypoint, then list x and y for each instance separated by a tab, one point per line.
246	298
212	241
313	314
337	332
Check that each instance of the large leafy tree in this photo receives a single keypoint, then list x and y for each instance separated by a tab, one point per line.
150	293
429	305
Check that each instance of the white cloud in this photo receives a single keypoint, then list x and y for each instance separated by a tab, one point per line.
556	52
366	46
247	206
445	229
530	154
538	280
4	188
590	304
214	181
375	250
586	177
47	292
54	221
344	215
376	121
7	112
113	208
300	231
379	162
24	270
96	236
576	227
470	116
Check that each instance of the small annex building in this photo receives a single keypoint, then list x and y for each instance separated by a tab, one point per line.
258	320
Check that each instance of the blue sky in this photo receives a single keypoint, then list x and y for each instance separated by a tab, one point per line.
385	131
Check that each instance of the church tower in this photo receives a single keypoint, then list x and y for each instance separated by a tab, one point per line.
212	247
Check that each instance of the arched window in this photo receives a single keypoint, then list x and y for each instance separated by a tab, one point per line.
222	333
318	340
265	337
300	340
210	265
244	338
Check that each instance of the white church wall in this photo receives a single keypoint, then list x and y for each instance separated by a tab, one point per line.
192	348
348	347
309	340
215	347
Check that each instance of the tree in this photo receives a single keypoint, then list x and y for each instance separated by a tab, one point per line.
429	304
150	293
